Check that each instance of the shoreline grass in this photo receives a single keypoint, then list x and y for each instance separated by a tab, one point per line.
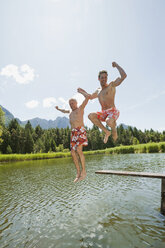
140	148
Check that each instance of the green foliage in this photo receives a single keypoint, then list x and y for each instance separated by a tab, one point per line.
36	156
9	150
2	117
29	143
1	131
152	148
162	147
23	140
135	141
114	150
2	121
66	150
60	148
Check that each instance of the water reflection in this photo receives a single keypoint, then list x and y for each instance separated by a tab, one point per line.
41	206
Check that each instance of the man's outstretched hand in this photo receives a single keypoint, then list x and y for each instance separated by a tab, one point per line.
114	64
88	96
80	90
57	107
83	92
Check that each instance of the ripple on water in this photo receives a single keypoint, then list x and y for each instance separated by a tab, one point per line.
42	207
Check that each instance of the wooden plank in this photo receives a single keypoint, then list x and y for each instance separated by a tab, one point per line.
163	196
140	174
131	173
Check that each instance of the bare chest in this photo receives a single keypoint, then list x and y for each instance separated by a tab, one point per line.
76	114
108	92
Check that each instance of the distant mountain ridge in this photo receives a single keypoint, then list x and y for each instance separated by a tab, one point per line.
8	116
60	122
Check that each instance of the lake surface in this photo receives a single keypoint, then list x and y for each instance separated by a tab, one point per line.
41	207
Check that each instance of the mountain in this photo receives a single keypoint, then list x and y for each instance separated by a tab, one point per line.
60	122
123	125
8	116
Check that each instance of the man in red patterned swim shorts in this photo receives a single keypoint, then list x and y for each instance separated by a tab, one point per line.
106	96
78	135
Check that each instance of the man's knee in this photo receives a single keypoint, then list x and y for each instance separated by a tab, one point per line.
73	153
111	122
79	150
92	116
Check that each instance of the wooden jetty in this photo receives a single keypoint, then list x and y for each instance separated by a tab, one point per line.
140	174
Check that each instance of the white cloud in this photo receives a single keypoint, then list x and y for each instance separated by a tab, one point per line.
32	104
61	99
49	102
65	103
22	75
80	98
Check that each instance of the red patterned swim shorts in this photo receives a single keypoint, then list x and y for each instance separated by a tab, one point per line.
78	137
108	113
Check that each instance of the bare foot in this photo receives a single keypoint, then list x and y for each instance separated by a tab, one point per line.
77	178
107	134
114	134
82	176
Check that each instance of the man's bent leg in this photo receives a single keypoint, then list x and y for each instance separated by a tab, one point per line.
93	118
112	123
75	160
82	159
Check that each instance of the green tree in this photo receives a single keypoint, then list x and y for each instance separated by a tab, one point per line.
39	146
135	141
28	126
2	117
15	140
29	143
6	140
38	132
8	150
2	121
53	145
13	124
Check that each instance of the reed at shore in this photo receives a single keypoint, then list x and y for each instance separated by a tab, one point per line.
141	148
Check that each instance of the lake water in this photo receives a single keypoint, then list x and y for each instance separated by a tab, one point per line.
41	207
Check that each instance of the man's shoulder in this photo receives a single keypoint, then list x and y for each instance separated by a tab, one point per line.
80	109
107	87
98	90
111	84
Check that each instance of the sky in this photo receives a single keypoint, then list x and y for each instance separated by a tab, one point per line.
49	48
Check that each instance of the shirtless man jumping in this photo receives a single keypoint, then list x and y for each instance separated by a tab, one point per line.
78	135
106	96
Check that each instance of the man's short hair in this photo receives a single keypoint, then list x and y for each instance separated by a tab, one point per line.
72	99
101	72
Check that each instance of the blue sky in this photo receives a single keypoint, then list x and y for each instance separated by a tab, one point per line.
49	48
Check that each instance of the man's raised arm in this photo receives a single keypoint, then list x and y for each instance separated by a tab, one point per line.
85	94
84	103
62	110
120	79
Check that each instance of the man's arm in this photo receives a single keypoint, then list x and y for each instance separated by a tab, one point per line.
62	110
120	79
85	94
84	103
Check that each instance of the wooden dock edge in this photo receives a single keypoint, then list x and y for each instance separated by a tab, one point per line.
140	174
